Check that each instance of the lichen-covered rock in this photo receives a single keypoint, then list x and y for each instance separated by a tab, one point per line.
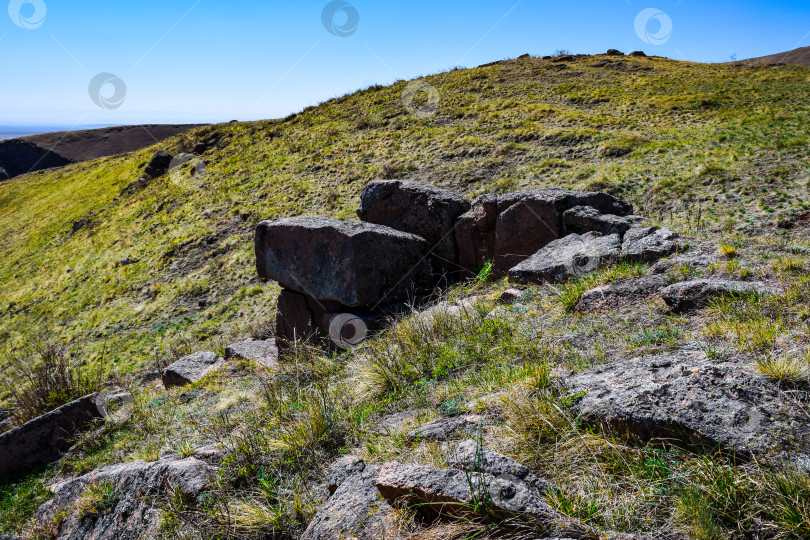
131	513
573	256
263	352
690	261
419	209
584	219
355	509
46	437
443	428
350	263
685	396
697	293
191	368
648	244
620	293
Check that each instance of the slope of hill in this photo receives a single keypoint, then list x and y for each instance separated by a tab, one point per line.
132	279
796	57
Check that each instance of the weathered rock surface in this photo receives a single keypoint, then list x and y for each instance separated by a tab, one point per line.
684	396
444	492
620	293
511	296
470	457
263	352
648	244
355	509
131	514
697	293
191	368
509	229
572	256
448	426
45	438
692	261
351	263
159	164
420	209
584	219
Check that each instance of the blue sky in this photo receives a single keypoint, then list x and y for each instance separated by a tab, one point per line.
209	60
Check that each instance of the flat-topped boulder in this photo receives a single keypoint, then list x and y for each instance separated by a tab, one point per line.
569	257
351	263
685	397
191	368
648	244
45	438
263	352
419	209
697	293
509	229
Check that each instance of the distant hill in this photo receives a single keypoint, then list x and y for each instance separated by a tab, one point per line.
796	57
59	148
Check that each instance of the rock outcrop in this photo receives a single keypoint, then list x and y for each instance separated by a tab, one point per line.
572	256
420	209
159	164
191	368
44	439
648	244
620	293
685	398
697	293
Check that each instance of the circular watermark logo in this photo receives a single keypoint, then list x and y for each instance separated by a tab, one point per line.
27	14
115	403
347	331
582	263
187	170
647	30
107	91
421	99
340	18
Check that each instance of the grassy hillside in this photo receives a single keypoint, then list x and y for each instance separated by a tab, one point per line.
715	151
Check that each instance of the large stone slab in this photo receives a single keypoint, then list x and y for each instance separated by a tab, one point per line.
45	438
351	263
683	397
584	219
419	209
509	229
263	352
697	293
191	368
133	512
648	244
620	293
572	256
355	508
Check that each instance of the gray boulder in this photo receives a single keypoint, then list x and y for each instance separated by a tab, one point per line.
691	261
191	368
620	293
355	508
419	209
45	438
584	219
132	511
448	426
264	352
435	492
685	397
573	256
351	263
648	244
697	293
469	456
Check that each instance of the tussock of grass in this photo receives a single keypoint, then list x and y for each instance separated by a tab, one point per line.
784	368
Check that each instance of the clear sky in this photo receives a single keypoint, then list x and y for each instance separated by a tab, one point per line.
216	60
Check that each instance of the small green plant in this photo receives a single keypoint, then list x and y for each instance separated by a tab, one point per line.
98	499
729	252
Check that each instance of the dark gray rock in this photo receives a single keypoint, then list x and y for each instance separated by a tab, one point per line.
686	398
132	513
509	229
620	293
573	256
355	509
351	263
436	492
191	368
264	352
692	261
420	209
448	426
584	219
4	174
159	164
511	296
648	244
45	438
697	293
342	469
469	456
